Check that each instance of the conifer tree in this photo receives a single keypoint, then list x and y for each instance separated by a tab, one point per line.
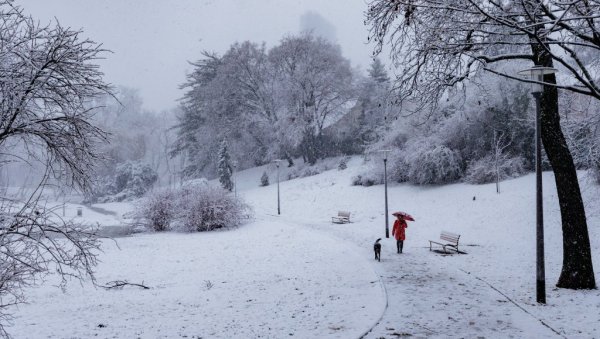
377	71
264	179
224	167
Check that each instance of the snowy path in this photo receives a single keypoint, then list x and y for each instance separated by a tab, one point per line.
436	296
269	279
431	296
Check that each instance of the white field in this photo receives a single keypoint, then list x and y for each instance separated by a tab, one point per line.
299	275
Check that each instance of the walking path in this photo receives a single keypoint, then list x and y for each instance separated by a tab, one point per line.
432	296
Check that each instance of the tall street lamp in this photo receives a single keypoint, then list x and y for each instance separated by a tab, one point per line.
536	74
277	161
385	155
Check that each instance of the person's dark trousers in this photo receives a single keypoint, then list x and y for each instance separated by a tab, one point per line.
399	245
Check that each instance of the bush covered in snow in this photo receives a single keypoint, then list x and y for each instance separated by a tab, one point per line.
398	167
194	208
130	180
303	170
159	209
343	163
368	179
431	162
396	171
208	208
484	170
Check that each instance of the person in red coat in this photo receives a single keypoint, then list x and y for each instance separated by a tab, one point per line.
399	233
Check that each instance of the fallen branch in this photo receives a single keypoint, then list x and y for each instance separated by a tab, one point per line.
122	283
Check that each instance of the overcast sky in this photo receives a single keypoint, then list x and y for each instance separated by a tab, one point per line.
152	40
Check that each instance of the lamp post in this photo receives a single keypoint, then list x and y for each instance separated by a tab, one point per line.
385	154
536	74
277	161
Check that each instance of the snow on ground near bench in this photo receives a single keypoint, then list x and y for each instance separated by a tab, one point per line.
429	295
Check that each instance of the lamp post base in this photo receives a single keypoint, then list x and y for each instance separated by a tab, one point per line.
541	291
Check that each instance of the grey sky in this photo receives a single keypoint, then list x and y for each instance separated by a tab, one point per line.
152	40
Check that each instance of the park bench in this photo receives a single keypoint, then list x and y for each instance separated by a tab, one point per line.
448	240
342	217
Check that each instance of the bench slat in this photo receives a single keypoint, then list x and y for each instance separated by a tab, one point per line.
449	239
449	234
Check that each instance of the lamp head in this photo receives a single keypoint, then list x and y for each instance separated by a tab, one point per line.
385	153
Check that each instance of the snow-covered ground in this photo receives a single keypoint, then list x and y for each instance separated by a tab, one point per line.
299	275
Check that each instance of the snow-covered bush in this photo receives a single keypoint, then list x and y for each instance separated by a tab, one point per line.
484	170
208	208
430	162
368	179
306	170
159	209
396	171
343	163
134	178
194	207
131	180
398	167
264	179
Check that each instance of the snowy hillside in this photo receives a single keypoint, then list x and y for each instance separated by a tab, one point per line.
299	275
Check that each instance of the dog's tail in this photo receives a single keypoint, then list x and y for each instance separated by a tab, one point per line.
377	241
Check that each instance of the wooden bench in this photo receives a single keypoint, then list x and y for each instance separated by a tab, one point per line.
342	217
449	240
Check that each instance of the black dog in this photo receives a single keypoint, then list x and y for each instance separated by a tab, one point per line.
377	249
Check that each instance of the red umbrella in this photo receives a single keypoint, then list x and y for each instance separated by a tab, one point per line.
404	216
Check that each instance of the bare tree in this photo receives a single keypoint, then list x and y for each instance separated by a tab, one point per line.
48	81
440	44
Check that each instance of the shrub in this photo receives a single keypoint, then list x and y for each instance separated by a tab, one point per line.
370	178
398	167
306	170
194	208
135	178
396	171
483	171
131	180
264	179
343	164
208	208
159	209
430	162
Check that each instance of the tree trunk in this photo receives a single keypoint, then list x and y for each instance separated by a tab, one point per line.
577	270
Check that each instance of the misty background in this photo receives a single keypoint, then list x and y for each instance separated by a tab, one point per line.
152	41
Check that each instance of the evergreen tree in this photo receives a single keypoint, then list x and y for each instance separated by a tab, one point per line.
377	71
264	179
224	168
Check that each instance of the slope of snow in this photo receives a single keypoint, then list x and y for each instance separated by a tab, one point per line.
299	275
